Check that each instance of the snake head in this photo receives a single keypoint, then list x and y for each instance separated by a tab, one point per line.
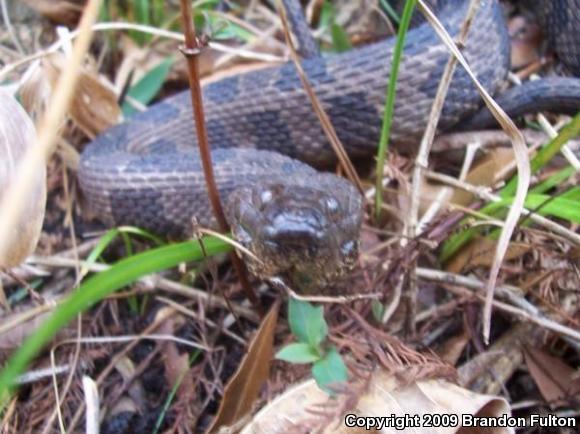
305	228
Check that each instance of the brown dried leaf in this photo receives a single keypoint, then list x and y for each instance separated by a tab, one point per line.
17	134
242	391
293	411
94	106
480	253
558	382
485	173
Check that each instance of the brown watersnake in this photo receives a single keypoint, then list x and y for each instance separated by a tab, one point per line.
146	172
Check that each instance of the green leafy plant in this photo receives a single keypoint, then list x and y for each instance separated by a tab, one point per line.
308	325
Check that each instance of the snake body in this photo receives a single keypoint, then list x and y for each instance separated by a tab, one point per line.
146	172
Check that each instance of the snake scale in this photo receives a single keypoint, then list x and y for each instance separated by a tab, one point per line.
265	137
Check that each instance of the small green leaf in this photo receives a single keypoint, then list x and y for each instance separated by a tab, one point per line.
330	370
146	88
307	322
340	41
298	352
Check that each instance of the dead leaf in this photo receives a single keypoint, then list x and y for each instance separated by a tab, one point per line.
485	173
17	135
558	382
244	387
294	410
480	252
94	106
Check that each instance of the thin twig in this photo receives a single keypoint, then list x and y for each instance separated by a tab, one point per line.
525	310
191	51
337	299
99	27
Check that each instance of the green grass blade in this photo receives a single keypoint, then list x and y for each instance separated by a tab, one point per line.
391	12
146	88
142	8
553	181
543	157
560	207
565	206
390	103
95	289
108	238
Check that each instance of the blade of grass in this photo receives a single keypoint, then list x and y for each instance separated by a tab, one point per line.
565	206
146	88
390	11
108	238
545	155
542	158
390	104
553	181
141	15
95	289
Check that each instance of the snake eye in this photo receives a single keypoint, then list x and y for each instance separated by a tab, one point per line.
262	198
332	205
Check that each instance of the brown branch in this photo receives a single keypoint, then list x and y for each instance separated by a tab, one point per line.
191	49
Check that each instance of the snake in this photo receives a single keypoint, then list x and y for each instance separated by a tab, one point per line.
269	151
